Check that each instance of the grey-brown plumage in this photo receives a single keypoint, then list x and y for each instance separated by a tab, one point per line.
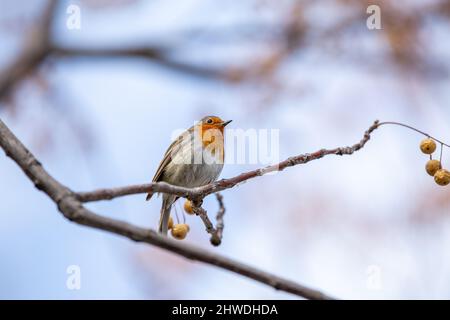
190	162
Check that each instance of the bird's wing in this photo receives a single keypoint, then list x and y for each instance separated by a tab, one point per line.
163	164
166	160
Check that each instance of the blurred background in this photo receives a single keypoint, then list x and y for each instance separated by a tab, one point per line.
99	107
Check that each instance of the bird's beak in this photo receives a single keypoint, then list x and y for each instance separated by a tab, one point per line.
225	123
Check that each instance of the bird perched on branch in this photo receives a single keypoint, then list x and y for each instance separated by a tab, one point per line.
194	159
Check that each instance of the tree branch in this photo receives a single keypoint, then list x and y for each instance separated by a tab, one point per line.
70	206
197	194
217	238
154	54
216	233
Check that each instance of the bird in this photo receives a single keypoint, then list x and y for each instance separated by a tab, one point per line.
194	159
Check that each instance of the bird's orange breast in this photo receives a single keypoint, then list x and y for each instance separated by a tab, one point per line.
212	137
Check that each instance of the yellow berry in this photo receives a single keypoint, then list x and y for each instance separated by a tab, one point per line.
442	177
179	231
170	223
432	167
188	207
428	146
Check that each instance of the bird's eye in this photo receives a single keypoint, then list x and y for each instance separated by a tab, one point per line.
209	121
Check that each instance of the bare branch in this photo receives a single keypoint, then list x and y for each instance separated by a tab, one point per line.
217	239
71	207
162	187
155	54
198	210
224	184
216	234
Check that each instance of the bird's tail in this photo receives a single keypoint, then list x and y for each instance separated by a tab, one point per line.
168	200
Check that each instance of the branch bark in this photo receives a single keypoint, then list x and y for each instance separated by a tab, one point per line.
217	237
216	233
154	54
71	207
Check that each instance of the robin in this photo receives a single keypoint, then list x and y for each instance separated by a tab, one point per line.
194	159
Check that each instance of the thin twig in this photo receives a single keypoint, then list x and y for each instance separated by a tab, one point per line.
414	129
224	184
215	232
111	193
199	211
217	239
199	193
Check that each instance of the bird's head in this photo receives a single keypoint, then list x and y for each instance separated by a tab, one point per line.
213	122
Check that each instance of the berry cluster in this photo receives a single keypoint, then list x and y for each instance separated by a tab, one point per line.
180	230
434	167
